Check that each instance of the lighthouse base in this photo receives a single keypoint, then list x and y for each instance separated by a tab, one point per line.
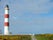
6	30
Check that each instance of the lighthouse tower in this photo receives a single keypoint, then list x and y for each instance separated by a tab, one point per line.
6	20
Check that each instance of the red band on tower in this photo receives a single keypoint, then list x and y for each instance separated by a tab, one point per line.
6	15
6	24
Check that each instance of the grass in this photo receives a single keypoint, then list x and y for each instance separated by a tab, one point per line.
15	37
27	37
44	36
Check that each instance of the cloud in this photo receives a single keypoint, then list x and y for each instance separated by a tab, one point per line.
33	6
18	7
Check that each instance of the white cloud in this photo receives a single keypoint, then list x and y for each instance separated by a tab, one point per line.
34	6
31	6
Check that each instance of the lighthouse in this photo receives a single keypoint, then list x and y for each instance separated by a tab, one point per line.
6	20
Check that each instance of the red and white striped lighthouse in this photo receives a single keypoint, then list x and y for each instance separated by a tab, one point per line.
6	20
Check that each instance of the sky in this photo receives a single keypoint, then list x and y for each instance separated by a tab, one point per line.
28	16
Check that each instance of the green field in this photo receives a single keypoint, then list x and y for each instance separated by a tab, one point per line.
15	37
44	36
27	37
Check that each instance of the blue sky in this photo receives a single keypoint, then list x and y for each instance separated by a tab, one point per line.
28	16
